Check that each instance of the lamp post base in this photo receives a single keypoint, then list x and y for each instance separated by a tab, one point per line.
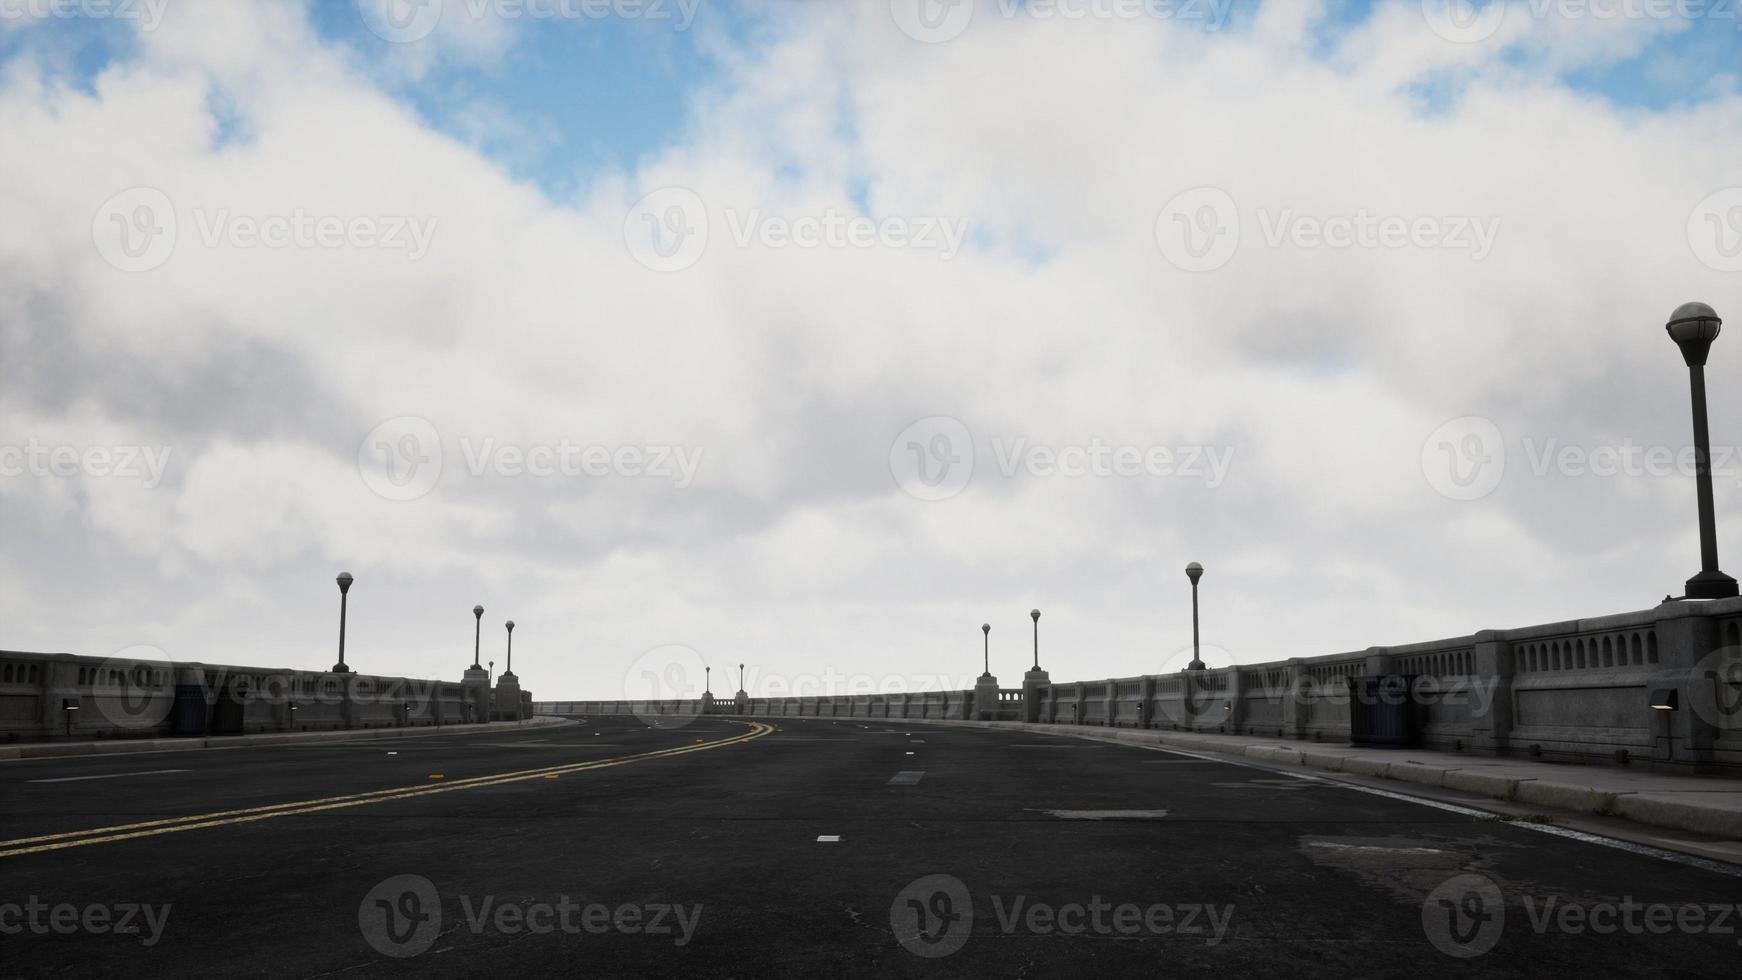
341	669
1712	585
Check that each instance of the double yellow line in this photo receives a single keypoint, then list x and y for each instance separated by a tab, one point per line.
152	828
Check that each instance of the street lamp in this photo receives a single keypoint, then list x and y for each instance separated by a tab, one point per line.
344	581
477	634
1693	326
1195	571
510	672
986	650
740	677
1034	614
707	680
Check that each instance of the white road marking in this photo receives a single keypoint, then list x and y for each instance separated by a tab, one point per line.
1106	814
907	777
111	775
829	839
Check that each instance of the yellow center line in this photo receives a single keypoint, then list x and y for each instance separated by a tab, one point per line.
152	828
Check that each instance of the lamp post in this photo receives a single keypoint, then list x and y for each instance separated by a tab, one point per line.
344	581
1693	326
477	633
510	672
1034	614
740	677
707	680
1195	571
986	648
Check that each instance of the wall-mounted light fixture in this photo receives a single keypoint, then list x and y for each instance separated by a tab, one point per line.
1664	699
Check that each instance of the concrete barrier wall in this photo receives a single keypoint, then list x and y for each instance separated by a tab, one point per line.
58	696
1579	690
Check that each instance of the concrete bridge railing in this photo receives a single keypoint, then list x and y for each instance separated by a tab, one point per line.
1661	687
58	695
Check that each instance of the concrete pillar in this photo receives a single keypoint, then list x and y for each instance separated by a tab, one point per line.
476	682
1146	702
1686	635
1034	687
191	711
508	697
1294	706
1233	705
59	684
1491	707
985	697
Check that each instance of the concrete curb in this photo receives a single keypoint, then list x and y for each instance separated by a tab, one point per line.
52	750
1644	808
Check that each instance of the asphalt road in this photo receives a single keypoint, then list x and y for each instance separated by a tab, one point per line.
813	848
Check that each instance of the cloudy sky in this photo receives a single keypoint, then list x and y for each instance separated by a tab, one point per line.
811	336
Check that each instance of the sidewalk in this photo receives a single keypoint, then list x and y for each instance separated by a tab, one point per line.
47	750
1701	804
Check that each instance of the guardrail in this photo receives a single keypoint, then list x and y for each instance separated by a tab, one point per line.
59	695
1589	690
